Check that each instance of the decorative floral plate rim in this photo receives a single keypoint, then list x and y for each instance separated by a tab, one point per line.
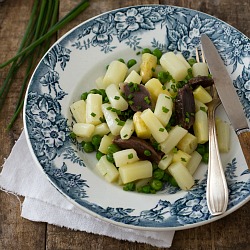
53	87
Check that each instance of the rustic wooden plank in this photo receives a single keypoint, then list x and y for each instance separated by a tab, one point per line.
18	233
235	13
220	234
205	237
61	238
15	232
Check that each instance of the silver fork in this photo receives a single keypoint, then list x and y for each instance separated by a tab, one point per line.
217	190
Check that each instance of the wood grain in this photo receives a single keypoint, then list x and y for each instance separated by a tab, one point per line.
15	232
229	233
244	138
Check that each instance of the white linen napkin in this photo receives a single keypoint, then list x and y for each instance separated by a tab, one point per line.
21	176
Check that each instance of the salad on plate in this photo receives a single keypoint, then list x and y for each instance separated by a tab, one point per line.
147	121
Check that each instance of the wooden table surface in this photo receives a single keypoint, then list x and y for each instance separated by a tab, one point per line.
231	232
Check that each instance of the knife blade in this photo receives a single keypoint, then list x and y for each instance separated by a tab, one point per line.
227	94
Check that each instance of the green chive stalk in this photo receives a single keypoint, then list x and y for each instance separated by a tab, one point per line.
6	84
73	13
36	41
44	14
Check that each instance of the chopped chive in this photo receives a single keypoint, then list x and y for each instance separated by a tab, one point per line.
102	119
130	156
203	109
119	122
147	152
116	111
130	96
133	87
175	150
183	159
165	110
161	129
93	114
147	100
117	97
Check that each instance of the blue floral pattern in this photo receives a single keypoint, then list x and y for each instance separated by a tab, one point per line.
48	129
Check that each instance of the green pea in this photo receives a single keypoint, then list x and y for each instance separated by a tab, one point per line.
121	60
207	147
201	149
173	182
110	158
158	174
205	157
84	96
131	63
163	77
152	191
129	186
112	148
146	189
155	166
96	140
156	184
88	147
146	50
158	53
99	154
102	92
94	91
156	145
192	61
72	135
166	177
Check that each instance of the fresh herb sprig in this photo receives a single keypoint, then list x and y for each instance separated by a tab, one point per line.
41	27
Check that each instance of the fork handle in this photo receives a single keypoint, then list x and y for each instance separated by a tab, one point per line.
217	190
244	138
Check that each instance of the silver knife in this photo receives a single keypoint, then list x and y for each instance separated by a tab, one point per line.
228	95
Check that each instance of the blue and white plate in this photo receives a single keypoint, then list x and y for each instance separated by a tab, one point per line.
71	67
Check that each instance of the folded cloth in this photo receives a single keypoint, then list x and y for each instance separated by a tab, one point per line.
21	176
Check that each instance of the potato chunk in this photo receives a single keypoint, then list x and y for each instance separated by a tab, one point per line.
171	63
135	171
182	176
107	169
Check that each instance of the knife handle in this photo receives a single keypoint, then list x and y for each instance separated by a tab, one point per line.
244	138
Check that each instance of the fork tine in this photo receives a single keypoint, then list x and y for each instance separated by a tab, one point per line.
197	55
202	56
